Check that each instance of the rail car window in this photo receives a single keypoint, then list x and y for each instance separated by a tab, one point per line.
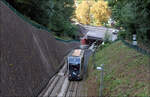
74	60
74	67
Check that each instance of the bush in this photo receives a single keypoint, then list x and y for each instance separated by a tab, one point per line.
107	38
122	34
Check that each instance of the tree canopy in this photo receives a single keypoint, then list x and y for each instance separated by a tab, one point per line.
100	12
54	14
82	12
93	12
133	16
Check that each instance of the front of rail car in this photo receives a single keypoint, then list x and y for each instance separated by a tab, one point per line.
74	68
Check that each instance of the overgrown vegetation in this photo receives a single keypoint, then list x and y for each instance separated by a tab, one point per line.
53	14
132	17
126	72
107	38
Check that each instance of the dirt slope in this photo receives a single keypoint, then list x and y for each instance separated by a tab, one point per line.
28	56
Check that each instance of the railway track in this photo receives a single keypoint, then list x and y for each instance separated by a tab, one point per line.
60	86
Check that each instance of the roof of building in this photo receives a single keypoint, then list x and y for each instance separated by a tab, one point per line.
99	33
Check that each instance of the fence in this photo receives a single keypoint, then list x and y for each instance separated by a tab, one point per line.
137	48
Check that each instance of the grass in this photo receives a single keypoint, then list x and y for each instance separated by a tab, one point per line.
126	72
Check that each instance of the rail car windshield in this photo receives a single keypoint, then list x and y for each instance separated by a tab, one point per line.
75	68
74	60
74	63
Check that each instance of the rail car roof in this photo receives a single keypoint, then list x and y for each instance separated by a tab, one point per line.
76	52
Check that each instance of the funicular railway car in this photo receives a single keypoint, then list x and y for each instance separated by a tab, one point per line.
75	62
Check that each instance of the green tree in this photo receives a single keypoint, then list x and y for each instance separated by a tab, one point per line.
61	13
133	16
54	14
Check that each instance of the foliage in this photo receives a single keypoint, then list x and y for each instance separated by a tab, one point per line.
107	38
54	14
82	12
122	34
133	16
78	1
62	11
100	12
92	12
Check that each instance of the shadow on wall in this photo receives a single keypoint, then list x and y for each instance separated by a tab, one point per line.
29	56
